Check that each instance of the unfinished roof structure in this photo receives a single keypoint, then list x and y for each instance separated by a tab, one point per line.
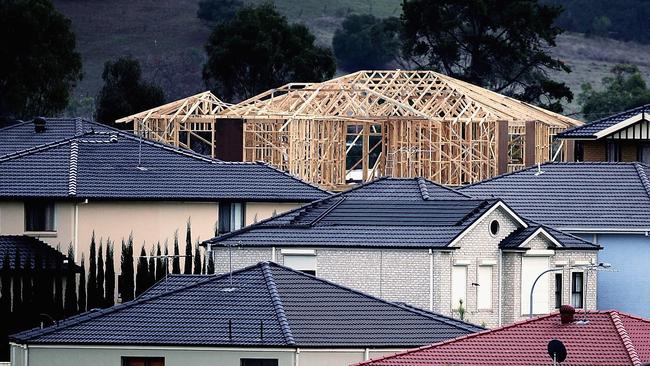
392	123
181	122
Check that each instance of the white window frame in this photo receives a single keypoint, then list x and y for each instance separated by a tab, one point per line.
304	259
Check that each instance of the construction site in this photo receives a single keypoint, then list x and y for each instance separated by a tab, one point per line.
365	125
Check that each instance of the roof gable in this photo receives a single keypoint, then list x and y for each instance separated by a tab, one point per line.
266	305
605	126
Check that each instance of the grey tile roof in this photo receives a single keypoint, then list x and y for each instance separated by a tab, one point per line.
32	248
575	195
361	217
110	164
568	241
588	131
21	136
294	309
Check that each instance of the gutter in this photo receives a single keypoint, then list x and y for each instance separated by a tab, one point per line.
641	230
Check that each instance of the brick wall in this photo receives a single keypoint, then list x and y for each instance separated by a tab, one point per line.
594	151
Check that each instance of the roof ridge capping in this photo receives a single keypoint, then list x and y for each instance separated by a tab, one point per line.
277	302
625	337
643	177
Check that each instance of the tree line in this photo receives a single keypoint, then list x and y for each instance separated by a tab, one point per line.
33	294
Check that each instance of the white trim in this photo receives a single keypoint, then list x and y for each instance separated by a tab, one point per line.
430	280
298	251
202	348
620	125
487	262
548	236
539	253
462	262
498	204
562	263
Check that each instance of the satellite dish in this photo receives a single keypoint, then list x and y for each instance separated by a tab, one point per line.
557	351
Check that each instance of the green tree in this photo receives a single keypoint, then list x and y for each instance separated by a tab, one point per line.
624	89
126	266
499	45
39	66
16	288
176	261
101	299
124	92
160	262
142	275
92	275
28	307
82	285
364	42
258	50
5	307
218	11
57	309
70	307
198	266
110	275
188	249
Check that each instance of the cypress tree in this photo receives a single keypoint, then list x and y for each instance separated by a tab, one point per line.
30	318
142	275
160	272
16	291
92	275
152	268
126	265
70	304
5	291
188	249
5	307
176	263
211	268
82	285
42	294
198	267
57	309
110	275
100	277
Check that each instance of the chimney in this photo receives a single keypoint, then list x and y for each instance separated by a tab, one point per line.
39	124
566	314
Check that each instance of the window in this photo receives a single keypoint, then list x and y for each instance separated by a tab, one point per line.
302	263
231	216
558	290
39	216
577	292
458	286
613	152
143	361
485	287
494	227
531	268
259	362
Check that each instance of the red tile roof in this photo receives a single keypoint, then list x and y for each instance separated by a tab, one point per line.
607	338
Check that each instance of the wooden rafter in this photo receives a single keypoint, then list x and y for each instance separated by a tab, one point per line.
375	123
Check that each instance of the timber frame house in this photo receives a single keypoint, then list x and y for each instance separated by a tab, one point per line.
370	124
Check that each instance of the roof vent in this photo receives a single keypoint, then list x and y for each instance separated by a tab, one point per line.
567	313
39	124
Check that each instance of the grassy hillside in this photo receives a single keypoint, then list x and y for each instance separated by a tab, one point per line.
168	39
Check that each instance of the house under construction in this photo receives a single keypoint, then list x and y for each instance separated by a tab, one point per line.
369	124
